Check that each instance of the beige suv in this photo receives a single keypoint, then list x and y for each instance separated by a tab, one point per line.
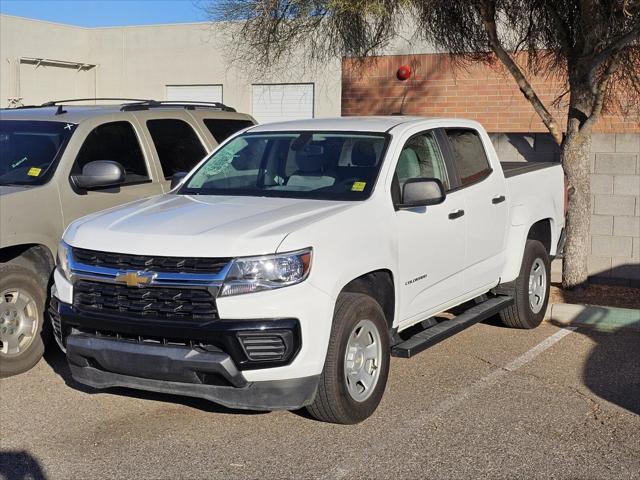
59	162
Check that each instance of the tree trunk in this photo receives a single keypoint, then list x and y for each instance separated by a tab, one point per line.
576	153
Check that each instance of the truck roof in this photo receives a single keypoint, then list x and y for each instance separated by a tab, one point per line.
78	113
364	124
358	124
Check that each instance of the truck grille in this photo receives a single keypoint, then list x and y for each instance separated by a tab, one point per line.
126	261
151	302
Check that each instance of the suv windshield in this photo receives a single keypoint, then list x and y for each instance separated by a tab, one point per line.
29	150
319	165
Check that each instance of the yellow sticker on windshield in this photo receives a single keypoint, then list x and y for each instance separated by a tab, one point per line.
34	171
358	186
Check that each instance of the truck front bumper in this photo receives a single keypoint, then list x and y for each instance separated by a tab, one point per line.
103	363
112	351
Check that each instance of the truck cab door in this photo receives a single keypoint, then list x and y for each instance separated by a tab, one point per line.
432	239
115	140
484	189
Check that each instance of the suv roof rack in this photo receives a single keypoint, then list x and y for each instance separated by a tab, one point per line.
54	103
136	104
190	105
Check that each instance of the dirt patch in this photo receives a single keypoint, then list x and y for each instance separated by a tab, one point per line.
604	295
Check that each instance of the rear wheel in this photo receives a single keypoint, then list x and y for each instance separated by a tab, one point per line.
531	289
22	300
357	364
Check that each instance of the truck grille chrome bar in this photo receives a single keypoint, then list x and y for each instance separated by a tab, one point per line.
99	272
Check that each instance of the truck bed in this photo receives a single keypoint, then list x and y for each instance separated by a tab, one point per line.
511	169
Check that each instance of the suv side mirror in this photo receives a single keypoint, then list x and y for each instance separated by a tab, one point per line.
100	173
176	178
420	192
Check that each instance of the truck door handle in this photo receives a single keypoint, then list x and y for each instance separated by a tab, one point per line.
456	214
496	200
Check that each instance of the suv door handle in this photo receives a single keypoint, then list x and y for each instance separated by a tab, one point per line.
456	214
500	199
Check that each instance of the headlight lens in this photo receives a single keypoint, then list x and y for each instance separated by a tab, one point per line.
254	274
62	259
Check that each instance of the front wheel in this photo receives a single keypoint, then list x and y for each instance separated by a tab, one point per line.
357	364
531	289
22	300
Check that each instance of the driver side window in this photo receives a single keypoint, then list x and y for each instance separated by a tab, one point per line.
420	158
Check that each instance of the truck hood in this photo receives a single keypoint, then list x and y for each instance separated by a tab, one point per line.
199	226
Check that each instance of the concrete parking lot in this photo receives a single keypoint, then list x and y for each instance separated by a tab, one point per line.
489	402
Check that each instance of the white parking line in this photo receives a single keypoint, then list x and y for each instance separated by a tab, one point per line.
493	377
538	349
482	384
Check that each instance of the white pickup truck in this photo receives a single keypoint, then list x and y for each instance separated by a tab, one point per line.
288	266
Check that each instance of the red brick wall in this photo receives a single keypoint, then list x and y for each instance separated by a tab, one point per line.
480	92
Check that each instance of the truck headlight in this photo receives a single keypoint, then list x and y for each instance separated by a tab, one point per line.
254	274
62	260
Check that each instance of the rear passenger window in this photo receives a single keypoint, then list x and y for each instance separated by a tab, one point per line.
115	141
221	128
470	157
179	148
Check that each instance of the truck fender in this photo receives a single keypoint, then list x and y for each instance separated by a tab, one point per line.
516	240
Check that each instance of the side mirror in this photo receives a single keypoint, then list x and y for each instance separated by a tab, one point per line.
420	192
176	178
100	173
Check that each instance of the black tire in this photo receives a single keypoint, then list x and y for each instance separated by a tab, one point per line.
521	314
19	277
333	402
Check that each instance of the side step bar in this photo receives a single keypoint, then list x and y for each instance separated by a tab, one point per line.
446	328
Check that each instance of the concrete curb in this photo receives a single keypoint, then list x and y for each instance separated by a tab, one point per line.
604	319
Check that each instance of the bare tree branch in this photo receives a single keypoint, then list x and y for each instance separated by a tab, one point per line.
613	48
600	93
488	13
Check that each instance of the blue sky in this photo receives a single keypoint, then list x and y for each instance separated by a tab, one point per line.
107	13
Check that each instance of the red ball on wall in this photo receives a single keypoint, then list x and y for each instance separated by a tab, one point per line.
404	72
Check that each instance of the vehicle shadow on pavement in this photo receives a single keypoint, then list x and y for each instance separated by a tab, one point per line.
58	363
20	465
612	369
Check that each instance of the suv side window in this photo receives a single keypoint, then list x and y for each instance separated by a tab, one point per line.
178	146
115	141
469	155
221	128
420	158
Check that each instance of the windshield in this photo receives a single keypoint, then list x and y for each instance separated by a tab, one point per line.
319	165
29	150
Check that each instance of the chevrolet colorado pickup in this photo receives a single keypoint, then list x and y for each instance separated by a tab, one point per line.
63	160
288	266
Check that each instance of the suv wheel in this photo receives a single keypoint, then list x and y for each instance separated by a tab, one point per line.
22	301
531	290
357	364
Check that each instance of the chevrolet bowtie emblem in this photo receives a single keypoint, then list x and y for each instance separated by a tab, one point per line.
135	279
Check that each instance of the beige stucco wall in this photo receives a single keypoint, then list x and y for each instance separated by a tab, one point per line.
139	62
24	38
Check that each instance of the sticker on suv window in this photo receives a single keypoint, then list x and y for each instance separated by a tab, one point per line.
358	186
19	162
34	171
